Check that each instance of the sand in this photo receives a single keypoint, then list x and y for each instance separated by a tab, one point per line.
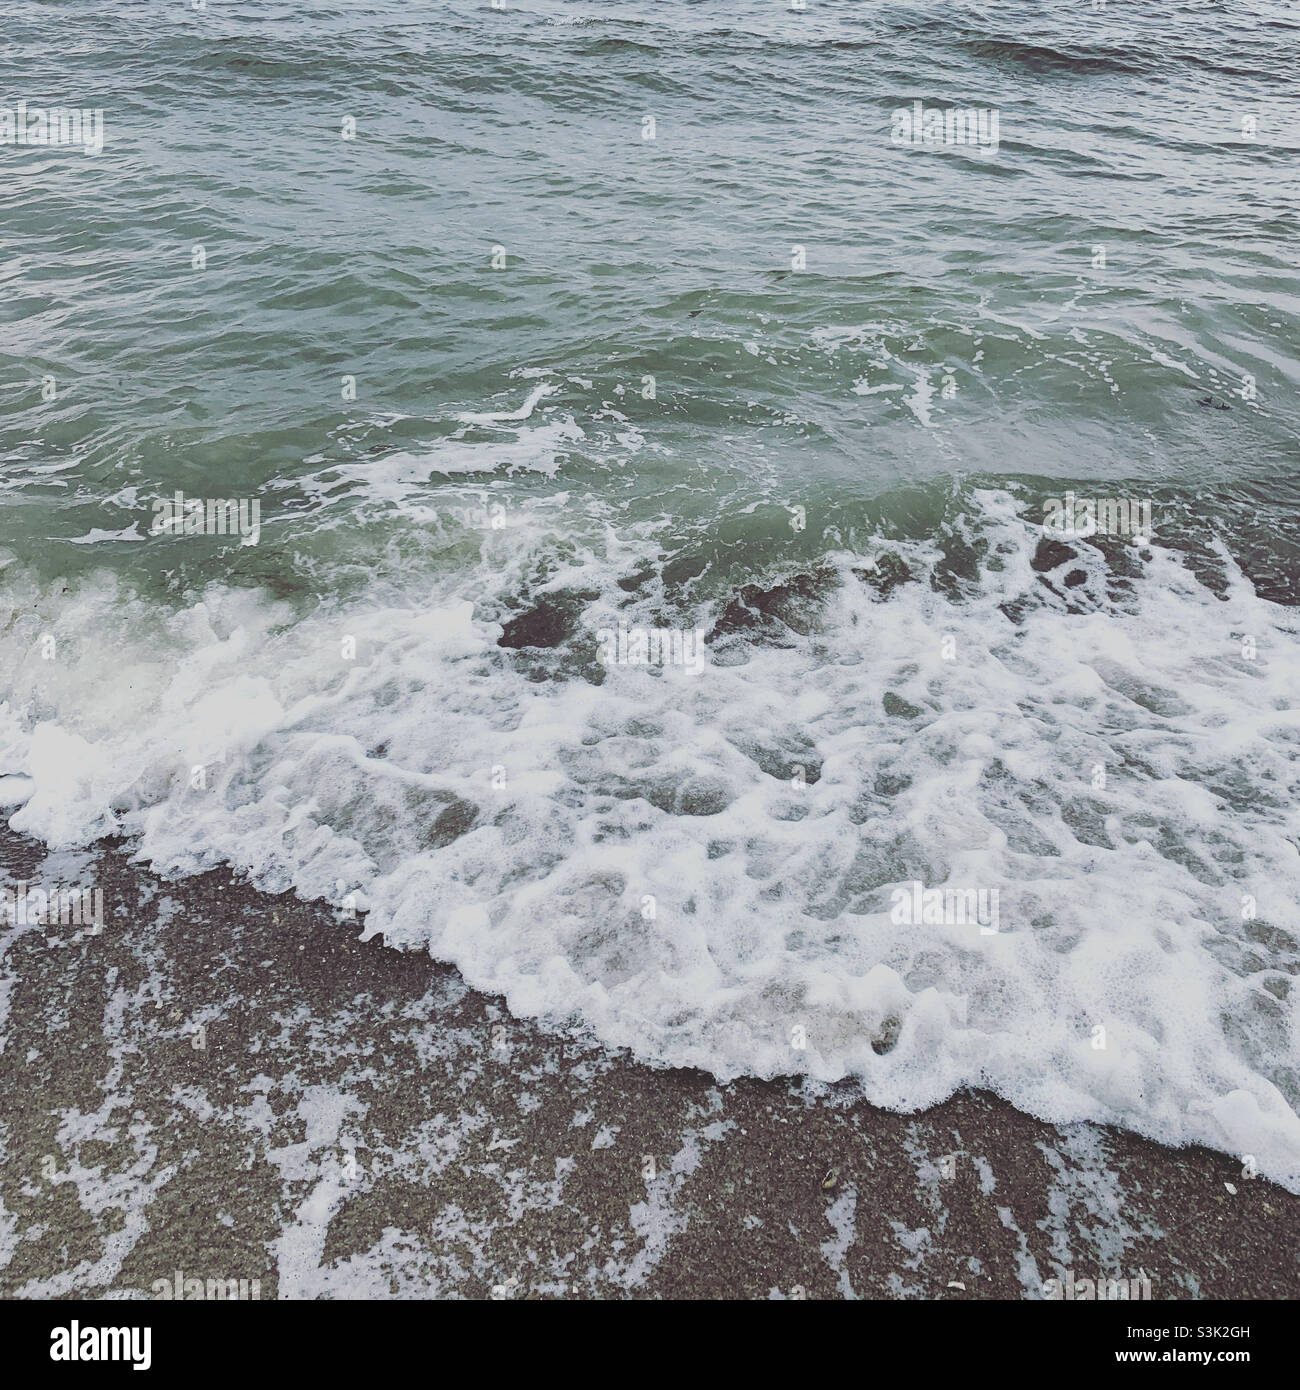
229	1086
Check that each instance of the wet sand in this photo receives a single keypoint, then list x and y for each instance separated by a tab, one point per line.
231	1086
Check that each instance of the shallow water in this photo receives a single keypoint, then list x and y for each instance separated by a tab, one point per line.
825	470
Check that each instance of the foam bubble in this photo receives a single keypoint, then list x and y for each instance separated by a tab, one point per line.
703	868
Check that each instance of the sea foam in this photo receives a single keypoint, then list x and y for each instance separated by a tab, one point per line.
700	868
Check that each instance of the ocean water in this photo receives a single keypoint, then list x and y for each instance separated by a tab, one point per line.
513	329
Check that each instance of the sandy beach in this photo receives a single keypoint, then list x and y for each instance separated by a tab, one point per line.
225	1086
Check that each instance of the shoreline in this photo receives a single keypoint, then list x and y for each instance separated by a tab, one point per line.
228	1085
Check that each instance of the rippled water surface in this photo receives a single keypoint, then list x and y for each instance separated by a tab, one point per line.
501	373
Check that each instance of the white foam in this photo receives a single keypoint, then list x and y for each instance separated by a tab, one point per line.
15	790
630	864
96	536
538	393
397	476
